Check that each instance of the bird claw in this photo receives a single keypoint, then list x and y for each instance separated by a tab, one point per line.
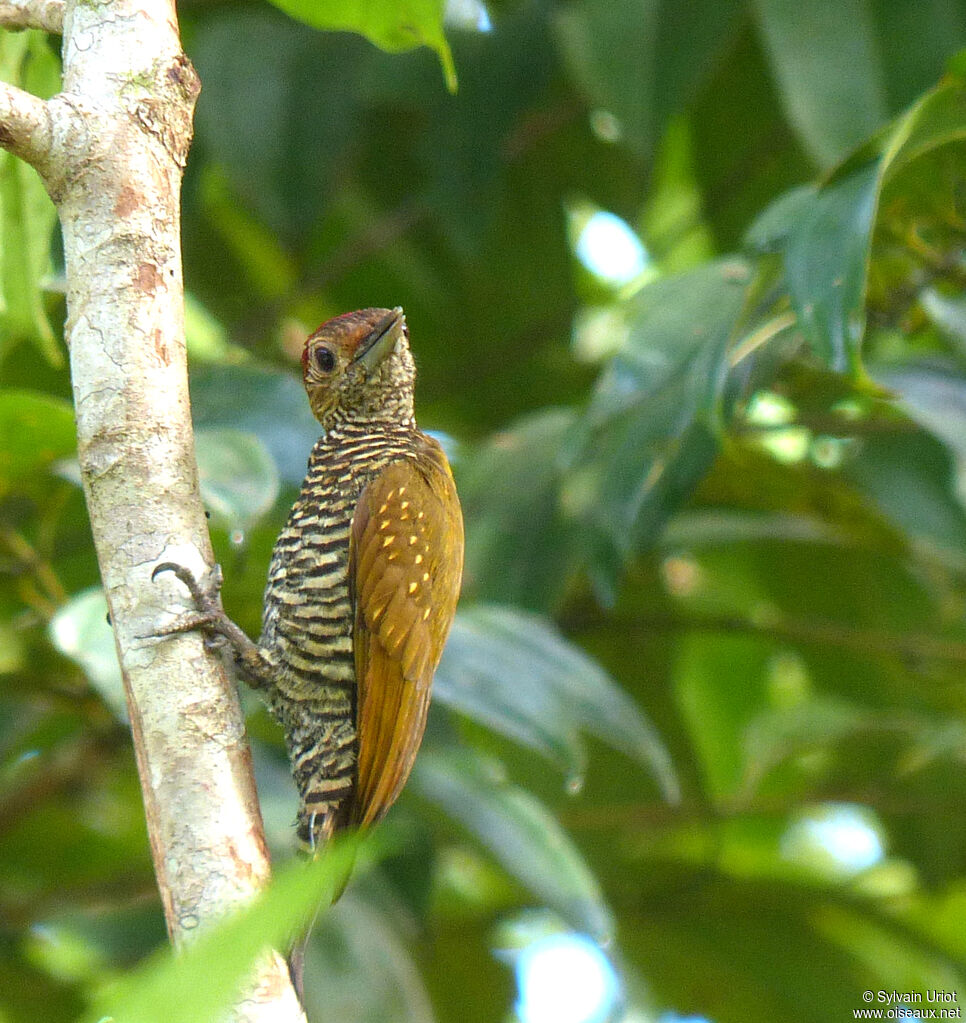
207	596
209	615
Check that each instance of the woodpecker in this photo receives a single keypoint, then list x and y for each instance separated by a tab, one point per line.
362	586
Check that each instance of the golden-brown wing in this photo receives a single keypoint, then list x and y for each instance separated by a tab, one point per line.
405	566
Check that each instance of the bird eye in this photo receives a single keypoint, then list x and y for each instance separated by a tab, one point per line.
323	359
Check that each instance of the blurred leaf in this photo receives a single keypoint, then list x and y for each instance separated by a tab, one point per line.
394	25
28	215
359	967
740	172
267	267
641	60
199	983
519	547
827	250
80	631
776	735
647	436
29	994
719	684
206	338
270	405
936	399
277	113
520	833
827	264
516	674
771	228
947	313
35	431
912	479
936	119
691	40
239	481
899	961
610	45
825	57
915	41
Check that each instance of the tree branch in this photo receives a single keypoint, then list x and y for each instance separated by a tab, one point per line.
25	125
47	15
111	148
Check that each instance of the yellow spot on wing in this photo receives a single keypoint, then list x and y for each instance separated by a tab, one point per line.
426	614
425	577
418	559
413	587
385	523
388	540
404	505
412	539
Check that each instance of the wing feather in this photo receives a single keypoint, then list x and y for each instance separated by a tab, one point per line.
405	562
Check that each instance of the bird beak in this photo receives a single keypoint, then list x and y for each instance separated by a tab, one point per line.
380	343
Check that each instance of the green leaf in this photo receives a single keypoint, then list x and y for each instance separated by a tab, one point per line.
648	435
80	631
519	831
641	60
519	546
35	431
516	674
825	57
27	215
719	683
936	400
267	267
199	983
608	45
827	251
913	479
239	480
826	262
393	25
777	734
937	119
276	131
359	966
915	41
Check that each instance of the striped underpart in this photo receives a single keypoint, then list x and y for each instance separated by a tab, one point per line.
308	619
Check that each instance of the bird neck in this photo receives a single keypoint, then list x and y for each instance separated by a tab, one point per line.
385	418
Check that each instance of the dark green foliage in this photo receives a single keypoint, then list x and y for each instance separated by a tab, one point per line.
716	538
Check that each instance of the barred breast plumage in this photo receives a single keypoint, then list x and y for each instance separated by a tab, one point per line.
308	617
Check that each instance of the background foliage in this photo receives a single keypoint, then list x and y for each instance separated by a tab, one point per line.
704	702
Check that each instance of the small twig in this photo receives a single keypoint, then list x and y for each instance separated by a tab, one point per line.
47	15
761	336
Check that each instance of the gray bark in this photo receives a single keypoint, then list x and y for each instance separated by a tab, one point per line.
110	149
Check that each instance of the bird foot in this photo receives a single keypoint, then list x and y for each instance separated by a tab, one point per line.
210	616
218	629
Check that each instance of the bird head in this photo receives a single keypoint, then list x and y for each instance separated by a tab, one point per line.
358	366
